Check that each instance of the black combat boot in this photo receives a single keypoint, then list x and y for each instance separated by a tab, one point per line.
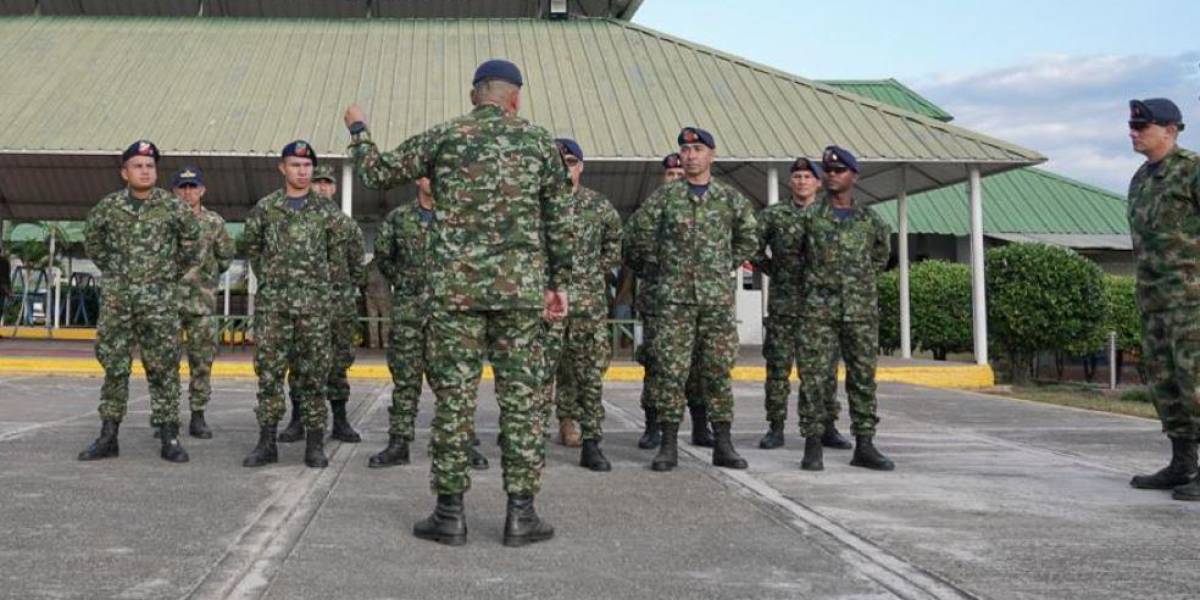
106	445
294	431
522	525
314	449
832	438
701	435
342	431
447	524
723	453
773	438
198	428
172	450
1180	471
478	461
652	436
265	452
591	456
396	453
1189	492
813	454
668	451
865	455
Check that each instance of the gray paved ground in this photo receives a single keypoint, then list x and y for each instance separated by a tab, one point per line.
993	498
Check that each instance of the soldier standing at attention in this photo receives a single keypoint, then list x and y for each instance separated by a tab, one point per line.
652	435
845	246
199	296
779	233
502	196
294	243
142	239
587	346
1164	220
687	237
402	254
347	275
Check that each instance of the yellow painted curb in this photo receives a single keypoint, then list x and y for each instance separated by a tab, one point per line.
951	376
41	333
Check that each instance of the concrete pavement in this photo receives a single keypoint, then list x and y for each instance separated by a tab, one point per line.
993	498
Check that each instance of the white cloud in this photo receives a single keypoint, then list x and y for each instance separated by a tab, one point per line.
1071	108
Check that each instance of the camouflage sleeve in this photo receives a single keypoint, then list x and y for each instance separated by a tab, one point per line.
760	260
610	249
881	250
252	240
94	234
191	237
223	247
637	239
355	255
556	199
385	255
745	233
410	160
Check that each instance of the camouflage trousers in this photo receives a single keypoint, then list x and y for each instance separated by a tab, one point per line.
512	341
200	334
406	361
553	333
587	350
858	343
1171	353
154	331
299	343
699	339
782	341
643	357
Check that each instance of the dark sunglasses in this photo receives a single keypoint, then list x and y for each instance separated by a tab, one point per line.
836	170
184	186
1138	125
571	161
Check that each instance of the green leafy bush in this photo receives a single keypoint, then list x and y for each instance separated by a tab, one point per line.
889	311
941	307
1042	298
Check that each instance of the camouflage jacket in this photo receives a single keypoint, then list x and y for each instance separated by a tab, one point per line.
841	261
686	246
402	253
779	231
142	248
1164	221
348	273
198	286
502	195
293	253
597	252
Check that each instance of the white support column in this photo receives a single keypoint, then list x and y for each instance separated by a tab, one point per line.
347	188
251	289
55	292
978	294
772	199
228	279
902	251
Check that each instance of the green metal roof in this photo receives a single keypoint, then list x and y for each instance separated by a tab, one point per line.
236	88
1028	201
890	91
322	9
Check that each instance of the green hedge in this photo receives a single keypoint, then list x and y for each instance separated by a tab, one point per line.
889	311
941	307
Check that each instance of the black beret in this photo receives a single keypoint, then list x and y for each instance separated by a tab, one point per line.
568	146
300	149
1160	111
672	161
692	135
188	175
805	164
498	68
836	156
140	148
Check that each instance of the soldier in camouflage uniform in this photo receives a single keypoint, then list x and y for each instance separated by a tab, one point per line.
402	254
142	239
778	258
198	325
1164	220
347	274
687	237
843	248
294	243
587	347
502	194
652	435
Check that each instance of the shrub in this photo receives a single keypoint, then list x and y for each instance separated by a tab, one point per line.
941	307
889	311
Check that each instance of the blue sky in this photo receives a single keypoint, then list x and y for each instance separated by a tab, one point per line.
1054	75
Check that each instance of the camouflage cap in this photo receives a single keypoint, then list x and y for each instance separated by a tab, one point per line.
324	173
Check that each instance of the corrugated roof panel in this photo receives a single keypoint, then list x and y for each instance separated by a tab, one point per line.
287	8
1021	201
890	91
